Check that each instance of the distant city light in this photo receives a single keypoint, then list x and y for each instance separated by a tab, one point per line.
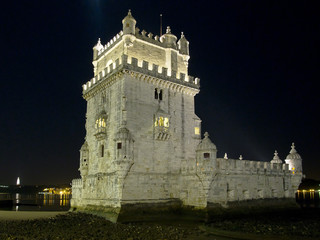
18	181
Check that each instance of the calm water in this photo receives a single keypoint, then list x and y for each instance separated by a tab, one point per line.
37	202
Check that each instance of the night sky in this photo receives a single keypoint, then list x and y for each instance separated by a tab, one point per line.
258	62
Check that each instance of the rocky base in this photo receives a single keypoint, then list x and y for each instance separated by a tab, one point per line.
278	224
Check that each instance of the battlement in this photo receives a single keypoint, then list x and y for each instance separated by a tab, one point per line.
117	38
249	166
148	37
143	35
131	63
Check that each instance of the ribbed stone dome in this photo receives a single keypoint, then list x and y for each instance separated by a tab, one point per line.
276	158
206	143
128	18
293	155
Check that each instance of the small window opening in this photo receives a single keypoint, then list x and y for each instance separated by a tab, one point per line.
102	151
160	95
156	93
119	145
206	155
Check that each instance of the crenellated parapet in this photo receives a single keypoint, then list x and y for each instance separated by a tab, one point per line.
105	48
142	35
143	70
231	166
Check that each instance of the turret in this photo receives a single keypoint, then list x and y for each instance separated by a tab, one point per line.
84	159
96	49
183	45
294	160
276	158
206	155
129	24
169	39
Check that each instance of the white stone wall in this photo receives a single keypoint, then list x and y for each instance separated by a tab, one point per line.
155	163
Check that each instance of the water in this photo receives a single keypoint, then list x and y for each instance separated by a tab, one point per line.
36	202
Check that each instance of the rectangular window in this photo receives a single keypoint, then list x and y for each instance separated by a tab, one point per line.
119	145
197	131
206	155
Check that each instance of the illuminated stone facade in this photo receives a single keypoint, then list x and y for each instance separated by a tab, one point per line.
143	142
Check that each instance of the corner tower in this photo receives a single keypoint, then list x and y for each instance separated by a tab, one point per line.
141	127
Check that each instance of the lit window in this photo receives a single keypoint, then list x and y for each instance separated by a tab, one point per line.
197	131
161	122
100	123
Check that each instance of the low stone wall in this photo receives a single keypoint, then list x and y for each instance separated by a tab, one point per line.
110	213
173	210
243	208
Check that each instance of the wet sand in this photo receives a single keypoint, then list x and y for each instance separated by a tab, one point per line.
27	215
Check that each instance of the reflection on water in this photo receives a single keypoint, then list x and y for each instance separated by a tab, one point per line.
37	202
56	199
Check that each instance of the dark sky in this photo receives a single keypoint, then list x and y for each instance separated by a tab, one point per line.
258	62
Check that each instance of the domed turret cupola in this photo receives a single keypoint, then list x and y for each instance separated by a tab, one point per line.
294	160
129	24
169	39
206	155
183	45
276	158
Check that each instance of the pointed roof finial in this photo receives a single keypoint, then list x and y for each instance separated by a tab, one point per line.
168	30
276	158
225	156
129	12
240	157
206	134
293	150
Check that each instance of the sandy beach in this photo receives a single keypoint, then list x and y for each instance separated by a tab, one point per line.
27	215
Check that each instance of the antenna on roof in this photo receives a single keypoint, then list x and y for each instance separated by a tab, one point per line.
160	24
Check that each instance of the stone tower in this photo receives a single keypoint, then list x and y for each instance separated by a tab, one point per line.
143	144
141	127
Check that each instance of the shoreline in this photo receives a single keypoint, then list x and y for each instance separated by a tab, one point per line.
28	215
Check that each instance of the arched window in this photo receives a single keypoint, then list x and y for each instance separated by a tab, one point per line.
161	122
101	122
